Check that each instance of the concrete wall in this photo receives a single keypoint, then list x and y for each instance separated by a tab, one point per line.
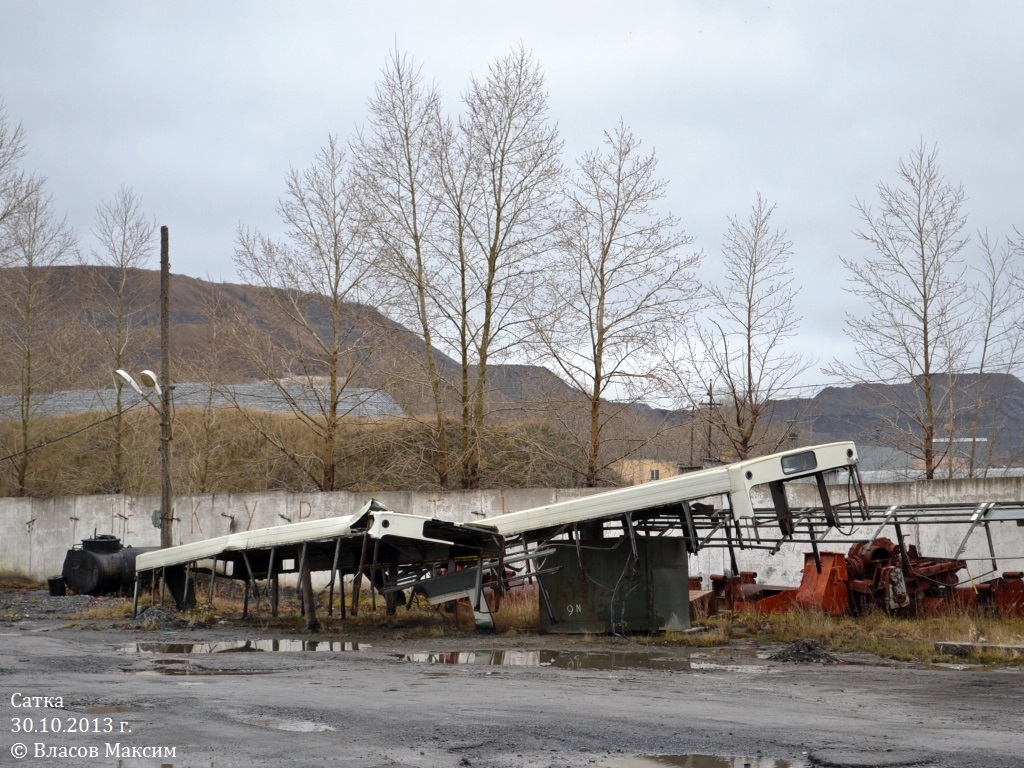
35	534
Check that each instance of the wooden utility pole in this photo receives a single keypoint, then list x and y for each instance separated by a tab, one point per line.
166	510
710	459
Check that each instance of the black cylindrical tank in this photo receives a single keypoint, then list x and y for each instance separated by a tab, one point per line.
101	566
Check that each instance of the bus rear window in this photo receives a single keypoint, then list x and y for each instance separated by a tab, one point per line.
799	462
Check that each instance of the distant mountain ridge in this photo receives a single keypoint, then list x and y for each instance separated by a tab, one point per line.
201	350
865	413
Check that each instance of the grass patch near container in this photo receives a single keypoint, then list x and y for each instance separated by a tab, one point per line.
519	612
711	632
106	609
892	637
19	582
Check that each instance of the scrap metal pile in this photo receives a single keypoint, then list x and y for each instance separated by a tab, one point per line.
619	560
874	575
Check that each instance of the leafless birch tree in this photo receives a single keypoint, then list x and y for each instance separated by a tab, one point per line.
500	170
916	324
17	186
998	342
35	241
740	343
396	168
320	267
619	284
124	240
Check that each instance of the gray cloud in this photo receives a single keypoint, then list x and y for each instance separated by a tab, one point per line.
201	108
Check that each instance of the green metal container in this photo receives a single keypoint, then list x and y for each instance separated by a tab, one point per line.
602	588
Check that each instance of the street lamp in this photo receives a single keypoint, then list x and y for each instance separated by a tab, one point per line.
149	379
122	376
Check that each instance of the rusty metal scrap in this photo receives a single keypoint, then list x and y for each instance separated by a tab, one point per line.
879	574
894	578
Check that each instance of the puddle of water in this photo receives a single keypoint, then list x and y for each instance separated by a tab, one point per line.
748	669
560	659
246	646
197	671
298	726
701	761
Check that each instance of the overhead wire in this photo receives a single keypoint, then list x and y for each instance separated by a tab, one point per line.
58	439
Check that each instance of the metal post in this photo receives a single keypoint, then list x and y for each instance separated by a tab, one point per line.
334	571
190	567
374	568
341	593
904	557
991	546
689	530
275	595
711	408
357	580
166	515
732	552
302	591
213	579
272	584
250	584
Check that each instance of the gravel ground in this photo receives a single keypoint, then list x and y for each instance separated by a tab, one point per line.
368	698
18	605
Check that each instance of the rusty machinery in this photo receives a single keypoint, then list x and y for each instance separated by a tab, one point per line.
878	574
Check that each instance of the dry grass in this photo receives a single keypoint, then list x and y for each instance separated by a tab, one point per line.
219	451
717	631
905	639
107	609
519	612
418	619
18	582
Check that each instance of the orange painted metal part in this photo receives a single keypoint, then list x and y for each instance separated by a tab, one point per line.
876	574
1004	596
743	594
827	590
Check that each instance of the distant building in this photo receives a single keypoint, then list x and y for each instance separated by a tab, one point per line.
638	471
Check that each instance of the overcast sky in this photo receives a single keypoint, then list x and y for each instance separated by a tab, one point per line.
202	107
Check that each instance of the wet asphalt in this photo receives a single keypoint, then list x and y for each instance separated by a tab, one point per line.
236	695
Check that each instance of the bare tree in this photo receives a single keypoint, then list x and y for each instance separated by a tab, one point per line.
999	299
124	237
918	314
456	298
397	175
35	241
317	272
500	168
17	187
741	342
618	284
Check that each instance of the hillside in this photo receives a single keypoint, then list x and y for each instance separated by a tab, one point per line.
231	337
210	342
870	413
220	330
